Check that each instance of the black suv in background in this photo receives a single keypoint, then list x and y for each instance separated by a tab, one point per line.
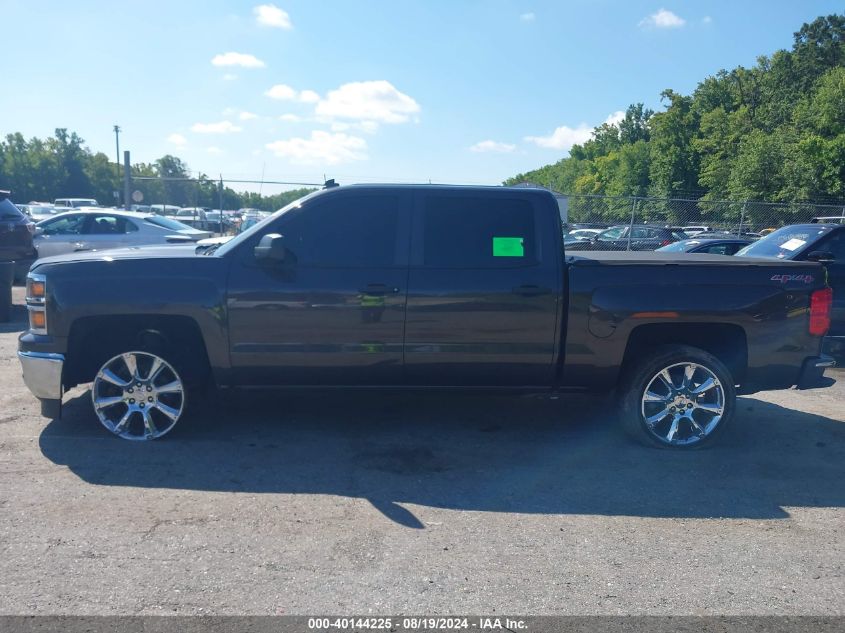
16	231
639	237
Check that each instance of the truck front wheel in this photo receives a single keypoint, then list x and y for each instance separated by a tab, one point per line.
138	395
677	397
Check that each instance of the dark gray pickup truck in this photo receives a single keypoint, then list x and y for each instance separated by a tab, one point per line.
423	287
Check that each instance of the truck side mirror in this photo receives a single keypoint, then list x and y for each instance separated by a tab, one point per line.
39	230
821	256
271	248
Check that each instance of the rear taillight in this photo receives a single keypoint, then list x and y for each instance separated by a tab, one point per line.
665	242
821	303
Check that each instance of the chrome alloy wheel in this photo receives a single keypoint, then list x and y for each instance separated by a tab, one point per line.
683	404
138	396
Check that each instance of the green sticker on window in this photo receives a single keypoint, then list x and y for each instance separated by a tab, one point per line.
508	247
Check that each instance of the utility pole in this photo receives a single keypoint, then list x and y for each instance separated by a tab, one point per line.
127	180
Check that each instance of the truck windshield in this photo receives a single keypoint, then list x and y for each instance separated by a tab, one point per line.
258	227
785	243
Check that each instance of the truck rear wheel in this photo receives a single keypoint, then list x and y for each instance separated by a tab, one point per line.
677	397
138	395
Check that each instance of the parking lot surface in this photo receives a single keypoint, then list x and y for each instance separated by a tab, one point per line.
434	504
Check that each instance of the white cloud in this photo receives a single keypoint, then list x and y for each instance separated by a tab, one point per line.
321	148
177	139
615	118
215	151
221	127
271	15
377	101
309	96
370	127
290	118
281	92
246	116
244	60
492	146
563	137
229	77
527	17
663	19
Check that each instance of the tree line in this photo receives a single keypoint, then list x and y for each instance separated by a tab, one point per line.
774	132
62	166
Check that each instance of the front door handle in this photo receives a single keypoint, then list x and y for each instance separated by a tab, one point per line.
530	291
378	289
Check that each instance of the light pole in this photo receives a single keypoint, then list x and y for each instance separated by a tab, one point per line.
117	148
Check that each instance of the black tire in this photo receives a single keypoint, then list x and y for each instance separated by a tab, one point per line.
638	376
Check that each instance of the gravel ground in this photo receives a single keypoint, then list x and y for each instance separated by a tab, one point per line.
432	505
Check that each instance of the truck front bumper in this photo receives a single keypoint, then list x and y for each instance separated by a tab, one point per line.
812	371
42	374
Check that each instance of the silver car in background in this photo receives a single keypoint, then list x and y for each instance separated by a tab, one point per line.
88	230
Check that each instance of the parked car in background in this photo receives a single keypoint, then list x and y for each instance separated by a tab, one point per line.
75	203
813	242
192	216
16	231
713	246
584	234
639	237
217	221
829	219
164	209
726	235
39	210
88	230
694	229
140	208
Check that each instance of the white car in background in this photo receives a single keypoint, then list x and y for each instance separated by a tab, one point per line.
693	230
102	229
38	210
66	204
584	234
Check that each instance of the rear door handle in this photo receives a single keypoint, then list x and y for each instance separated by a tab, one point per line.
530	291
377	289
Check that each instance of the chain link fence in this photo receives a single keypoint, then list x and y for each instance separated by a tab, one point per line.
731	216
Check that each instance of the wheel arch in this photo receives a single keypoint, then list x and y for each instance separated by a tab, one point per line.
93	340
725	341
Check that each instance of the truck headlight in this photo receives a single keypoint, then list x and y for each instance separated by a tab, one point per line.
36	302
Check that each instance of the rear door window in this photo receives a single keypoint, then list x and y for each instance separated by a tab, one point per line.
478	232
110	225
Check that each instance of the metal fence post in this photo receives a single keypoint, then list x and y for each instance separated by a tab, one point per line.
631	225
220	194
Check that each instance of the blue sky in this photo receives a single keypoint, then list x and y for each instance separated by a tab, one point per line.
452	91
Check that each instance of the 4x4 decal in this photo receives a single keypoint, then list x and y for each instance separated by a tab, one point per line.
807	279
